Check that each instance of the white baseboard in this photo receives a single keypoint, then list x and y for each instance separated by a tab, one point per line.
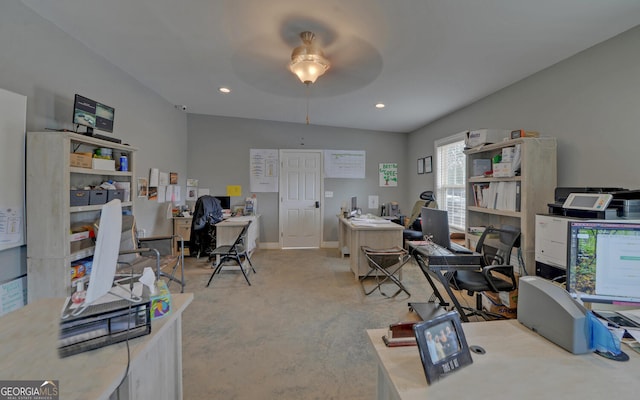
276	245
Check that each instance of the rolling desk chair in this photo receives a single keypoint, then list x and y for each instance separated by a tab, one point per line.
495	275
413	229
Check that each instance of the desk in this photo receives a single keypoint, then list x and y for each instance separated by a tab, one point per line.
519	364
227	231
441	263
351	237
182	227
29	351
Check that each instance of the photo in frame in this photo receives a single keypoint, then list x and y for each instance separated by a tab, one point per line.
428	167
420	166
442	346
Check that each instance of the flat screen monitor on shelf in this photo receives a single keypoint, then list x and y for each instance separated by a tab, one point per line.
603	262
92	114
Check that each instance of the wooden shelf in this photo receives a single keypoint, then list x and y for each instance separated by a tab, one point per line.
537	181
50	178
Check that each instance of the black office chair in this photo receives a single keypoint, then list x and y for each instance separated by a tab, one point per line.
413	229
495	275
234	252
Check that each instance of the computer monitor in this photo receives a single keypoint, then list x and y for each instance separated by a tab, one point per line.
225	202
92	114
435	225
603	262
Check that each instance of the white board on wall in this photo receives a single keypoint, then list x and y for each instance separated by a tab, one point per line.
13	122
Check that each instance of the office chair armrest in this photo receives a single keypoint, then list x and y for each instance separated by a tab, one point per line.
506	270
141	250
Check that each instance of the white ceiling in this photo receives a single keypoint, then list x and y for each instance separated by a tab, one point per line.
423	58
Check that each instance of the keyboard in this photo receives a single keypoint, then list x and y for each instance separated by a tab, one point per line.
456	248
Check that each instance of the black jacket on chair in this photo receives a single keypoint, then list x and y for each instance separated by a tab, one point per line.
206	214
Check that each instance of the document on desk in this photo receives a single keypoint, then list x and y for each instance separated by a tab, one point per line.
369	222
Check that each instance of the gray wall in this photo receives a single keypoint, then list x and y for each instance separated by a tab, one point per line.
49	67
589	102
219	156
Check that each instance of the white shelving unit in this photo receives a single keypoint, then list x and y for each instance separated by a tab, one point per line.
49	179
537	181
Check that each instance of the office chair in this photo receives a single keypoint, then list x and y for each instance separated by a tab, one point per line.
234	252
156	252
494	275
385	263
413	226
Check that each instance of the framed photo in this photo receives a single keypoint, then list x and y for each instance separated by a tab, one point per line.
442	346
428	168
143	187
173	178
420	165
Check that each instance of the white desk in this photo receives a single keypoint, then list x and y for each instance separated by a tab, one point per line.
29	351
352	236
519	364
227	231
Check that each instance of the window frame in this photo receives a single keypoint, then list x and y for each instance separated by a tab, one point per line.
457	219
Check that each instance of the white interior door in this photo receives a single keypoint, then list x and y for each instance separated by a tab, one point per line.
300	202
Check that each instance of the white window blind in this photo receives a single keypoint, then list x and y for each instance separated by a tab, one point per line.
450	179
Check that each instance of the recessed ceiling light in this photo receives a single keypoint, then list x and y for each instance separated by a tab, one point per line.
380	105
224	90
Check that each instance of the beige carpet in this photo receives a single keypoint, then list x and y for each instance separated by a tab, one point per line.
297	333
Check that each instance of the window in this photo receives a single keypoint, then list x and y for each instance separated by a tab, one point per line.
450	168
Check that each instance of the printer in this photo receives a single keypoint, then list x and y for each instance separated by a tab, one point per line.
571	204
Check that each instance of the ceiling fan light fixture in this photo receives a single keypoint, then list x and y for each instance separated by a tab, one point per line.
308	61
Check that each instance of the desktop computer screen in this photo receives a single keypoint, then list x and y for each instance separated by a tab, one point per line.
603	261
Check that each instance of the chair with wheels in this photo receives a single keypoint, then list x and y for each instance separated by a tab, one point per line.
235	252
385	264
156	252
495	274
413	227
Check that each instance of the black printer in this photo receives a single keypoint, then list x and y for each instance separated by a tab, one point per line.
625	204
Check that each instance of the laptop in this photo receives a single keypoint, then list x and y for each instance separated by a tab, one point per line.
435	224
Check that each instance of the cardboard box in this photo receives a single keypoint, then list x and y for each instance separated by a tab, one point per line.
518	133
82	160
104	164
503	170
491	303
160	301
507	154
485	136
82	244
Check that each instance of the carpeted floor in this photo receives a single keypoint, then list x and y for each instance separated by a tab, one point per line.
298	332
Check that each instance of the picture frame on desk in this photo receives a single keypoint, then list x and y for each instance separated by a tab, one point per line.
442	346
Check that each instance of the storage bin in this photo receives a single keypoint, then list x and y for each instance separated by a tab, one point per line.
79	198
97	197
115	194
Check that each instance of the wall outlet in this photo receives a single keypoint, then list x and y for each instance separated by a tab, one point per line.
373	202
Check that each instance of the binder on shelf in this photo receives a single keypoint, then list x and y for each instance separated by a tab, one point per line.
497	195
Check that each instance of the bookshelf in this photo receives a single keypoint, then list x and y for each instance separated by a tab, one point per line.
512	200
50	177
